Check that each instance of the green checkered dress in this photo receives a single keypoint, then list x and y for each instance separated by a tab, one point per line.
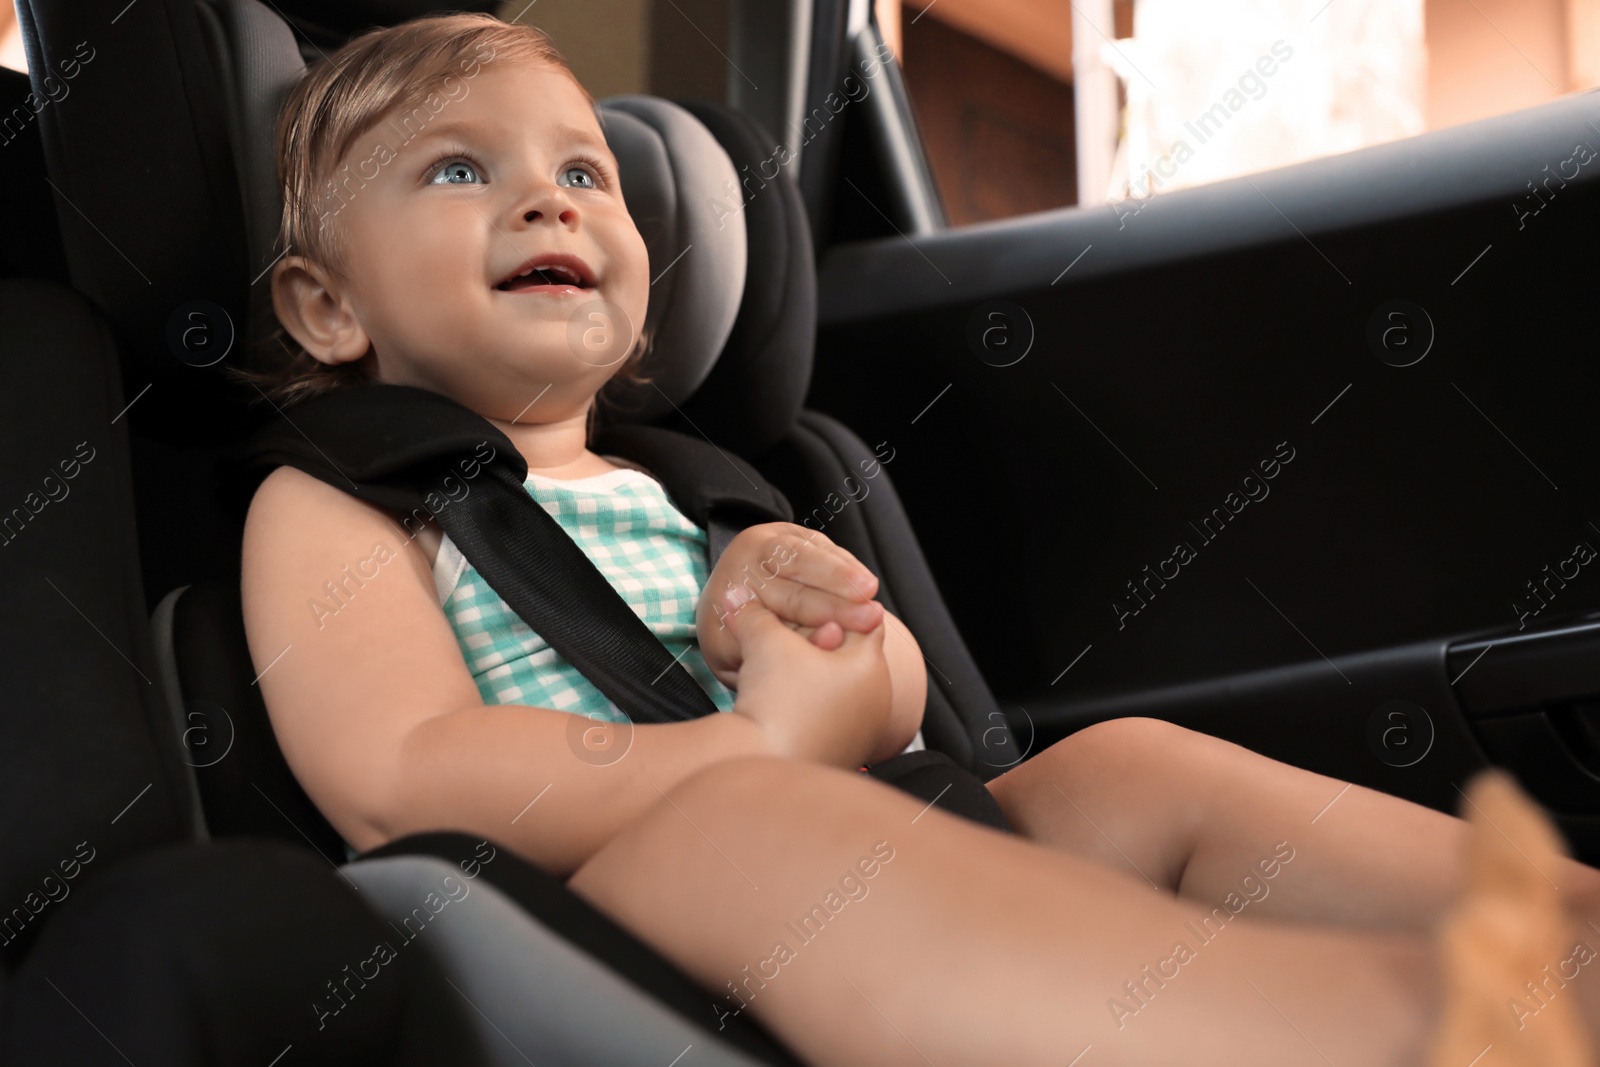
649	551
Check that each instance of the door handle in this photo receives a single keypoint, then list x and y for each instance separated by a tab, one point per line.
1520	671
1533	700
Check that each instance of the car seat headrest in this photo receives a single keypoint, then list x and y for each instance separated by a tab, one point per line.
669	164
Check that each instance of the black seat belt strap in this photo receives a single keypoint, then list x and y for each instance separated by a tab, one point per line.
543	576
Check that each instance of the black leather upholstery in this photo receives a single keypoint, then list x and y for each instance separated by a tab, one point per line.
88	775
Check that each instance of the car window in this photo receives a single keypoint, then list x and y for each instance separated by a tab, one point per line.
1026	105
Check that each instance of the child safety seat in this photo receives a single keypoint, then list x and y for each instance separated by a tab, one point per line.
184	168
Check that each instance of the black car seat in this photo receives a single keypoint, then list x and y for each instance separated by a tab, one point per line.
121	927
183	168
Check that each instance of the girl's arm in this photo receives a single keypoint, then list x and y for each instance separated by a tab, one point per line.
551	785
381	722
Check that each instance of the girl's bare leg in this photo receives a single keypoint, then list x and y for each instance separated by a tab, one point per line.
1197	815
864	927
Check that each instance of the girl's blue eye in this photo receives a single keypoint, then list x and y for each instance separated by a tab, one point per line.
584	180
454	169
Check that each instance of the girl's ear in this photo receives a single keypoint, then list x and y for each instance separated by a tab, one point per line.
314	311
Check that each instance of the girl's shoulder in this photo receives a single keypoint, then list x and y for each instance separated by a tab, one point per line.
322	511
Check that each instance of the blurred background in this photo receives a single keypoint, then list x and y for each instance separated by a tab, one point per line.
1028	105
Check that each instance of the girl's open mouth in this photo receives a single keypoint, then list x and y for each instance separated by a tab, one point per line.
556	275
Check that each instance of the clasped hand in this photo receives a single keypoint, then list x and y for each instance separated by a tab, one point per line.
817	690
817	588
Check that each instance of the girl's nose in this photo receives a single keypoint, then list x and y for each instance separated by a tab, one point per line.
567	214
550	199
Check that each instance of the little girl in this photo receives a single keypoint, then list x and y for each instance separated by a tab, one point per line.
450	204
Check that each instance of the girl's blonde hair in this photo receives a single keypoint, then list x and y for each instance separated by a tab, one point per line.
338	100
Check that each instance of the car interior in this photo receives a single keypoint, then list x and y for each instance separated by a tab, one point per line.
1068	531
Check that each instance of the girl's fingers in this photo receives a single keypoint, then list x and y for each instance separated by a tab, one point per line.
827	637
821	563
797	602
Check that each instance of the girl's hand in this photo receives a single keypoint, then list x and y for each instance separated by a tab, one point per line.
817	588
827	707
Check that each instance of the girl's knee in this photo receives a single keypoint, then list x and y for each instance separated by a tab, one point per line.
1118	744
1114	753
1125	738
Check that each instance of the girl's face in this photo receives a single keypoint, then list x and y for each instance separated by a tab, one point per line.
512	169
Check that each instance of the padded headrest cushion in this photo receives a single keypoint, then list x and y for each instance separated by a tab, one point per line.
754	394
671	166
259	65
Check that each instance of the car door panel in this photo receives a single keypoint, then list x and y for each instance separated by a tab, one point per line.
1257	456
